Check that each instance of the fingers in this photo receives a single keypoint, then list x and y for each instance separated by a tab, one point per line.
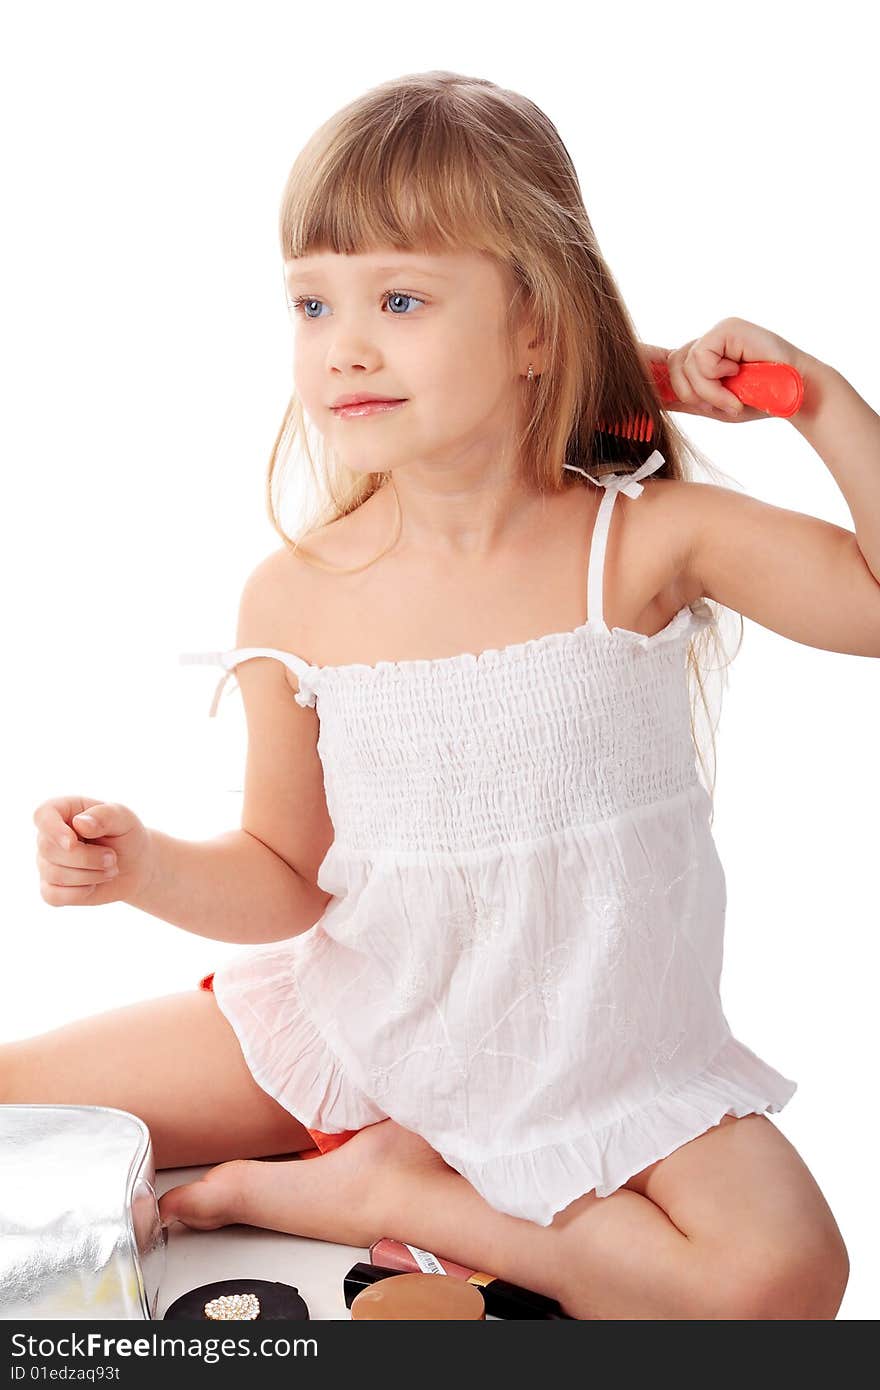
694	377
90	823
59	819
79	860
85	865
63	885
69	869
49	818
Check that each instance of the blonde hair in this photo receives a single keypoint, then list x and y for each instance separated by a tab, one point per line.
439	161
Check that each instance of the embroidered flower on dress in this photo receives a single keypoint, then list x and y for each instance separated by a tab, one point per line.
480	924
606	914
544	980
409	987
635	909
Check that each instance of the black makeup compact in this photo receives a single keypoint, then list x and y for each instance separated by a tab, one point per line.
240	1300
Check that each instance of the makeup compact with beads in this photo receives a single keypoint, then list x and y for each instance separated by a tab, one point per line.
240	1300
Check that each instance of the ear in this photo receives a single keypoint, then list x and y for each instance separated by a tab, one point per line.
531	349
529	344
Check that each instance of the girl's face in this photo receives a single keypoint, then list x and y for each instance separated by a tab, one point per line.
427	329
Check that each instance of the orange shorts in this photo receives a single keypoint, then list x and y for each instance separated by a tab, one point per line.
324	1142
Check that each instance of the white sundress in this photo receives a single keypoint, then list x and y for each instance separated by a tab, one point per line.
521	959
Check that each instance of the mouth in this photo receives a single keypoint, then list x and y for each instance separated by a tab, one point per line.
358	408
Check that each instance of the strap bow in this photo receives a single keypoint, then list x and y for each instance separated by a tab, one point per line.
624	482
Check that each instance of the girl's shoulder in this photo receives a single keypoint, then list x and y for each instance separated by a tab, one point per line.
664	521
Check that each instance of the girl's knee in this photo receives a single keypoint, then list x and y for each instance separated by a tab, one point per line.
799	1284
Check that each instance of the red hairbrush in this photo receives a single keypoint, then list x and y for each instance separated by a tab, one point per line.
774	387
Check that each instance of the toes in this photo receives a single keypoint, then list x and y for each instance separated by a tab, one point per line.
205	1205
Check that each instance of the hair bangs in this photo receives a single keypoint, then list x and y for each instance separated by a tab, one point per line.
420	182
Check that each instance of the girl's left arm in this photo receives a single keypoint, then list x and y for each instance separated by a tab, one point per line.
798	575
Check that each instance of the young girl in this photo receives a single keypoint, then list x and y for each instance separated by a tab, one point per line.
475	868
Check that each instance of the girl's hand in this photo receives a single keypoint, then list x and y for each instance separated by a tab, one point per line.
697	370
72	869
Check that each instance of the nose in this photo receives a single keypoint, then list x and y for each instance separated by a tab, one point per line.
350	346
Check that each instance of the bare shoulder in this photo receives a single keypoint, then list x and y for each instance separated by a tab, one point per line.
671	510
286	599
263	610
683	513
277	604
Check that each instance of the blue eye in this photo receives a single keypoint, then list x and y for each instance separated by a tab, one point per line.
303	300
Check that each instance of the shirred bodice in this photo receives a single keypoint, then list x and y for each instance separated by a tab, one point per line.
470	753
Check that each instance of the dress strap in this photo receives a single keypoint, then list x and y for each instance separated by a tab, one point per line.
304	673
613	483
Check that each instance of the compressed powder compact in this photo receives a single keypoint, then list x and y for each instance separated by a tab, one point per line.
419	1297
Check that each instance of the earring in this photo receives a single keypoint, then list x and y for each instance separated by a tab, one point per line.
531	375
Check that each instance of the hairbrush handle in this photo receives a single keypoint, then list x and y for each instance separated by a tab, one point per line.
775	387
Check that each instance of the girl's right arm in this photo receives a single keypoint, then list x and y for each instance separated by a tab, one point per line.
231	888
252	885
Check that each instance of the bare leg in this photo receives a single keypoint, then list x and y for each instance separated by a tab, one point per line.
745	1248
614	1257
174	1062
729	1225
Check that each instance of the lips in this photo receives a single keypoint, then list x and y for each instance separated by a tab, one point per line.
344	401
363	408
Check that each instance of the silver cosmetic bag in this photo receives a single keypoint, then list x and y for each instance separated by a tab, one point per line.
80	1236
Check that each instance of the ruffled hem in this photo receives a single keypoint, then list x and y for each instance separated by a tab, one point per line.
538	1184
294	1065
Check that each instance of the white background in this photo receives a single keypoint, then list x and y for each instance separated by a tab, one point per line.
725	158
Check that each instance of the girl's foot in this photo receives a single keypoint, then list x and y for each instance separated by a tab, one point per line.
344	1196
206	1204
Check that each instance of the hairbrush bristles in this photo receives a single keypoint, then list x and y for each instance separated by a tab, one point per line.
640	427
631	442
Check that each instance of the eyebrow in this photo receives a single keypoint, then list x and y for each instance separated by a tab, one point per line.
297	272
